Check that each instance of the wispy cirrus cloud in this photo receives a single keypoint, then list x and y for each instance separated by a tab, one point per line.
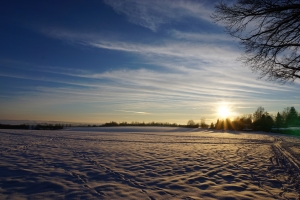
204	52
144	91
135	112
207	62
155	13
213	62
147	85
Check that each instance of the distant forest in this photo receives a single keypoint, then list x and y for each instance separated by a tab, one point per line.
193	125
260	120
33	127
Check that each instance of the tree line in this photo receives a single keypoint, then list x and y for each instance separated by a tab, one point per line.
190	124
34	127
261	120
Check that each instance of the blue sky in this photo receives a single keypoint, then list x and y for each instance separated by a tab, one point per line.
95	61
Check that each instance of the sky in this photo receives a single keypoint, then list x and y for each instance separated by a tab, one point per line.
95	61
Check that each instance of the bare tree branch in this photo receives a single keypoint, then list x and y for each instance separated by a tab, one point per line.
269	31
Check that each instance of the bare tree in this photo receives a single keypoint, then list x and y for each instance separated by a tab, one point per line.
202	123
260	111
191	123
269	31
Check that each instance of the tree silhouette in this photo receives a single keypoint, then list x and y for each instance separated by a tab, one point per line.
191	123
279	120
217	125
265	123
269	32
258	113
202	123
292	117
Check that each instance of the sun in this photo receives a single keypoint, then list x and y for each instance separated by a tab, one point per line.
223	111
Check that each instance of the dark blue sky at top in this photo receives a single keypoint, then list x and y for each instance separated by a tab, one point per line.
21	40
126	60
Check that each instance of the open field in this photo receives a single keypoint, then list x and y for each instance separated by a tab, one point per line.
148	163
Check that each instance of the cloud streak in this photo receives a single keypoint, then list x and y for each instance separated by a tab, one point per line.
151	86
155	13
201	52
135	112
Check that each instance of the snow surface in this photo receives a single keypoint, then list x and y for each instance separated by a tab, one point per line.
147	163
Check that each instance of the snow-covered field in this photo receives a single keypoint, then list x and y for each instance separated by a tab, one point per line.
147	163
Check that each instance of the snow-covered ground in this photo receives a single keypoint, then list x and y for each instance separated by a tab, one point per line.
147	163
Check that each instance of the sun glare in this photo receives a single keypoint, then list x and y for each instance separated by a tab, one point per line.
223	111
